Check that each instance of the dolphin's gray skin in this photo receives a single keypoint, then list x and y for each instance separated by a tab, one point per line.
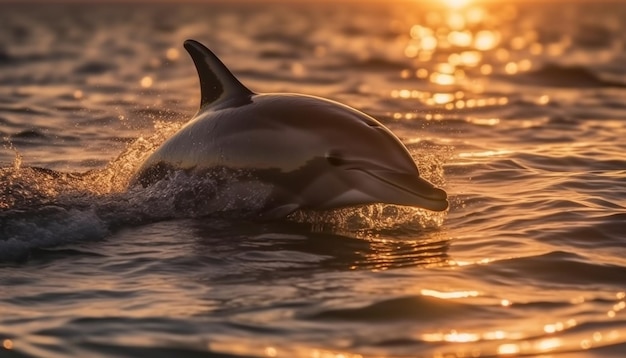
313	152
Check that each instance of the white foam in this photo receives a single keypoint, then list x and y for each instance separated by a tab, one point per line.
47	228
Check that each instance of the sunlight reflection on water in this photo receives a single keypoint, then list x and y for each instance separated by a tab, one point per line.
522	114
453	46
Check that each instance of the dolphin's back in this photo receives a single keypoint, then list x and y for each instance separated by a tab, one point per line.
313	152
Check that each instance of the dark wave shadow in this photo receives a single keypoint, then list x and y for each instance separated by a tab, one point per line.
566	76
284	248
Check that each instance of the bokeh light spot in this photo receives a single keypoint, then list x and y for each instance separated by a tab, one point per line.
146	82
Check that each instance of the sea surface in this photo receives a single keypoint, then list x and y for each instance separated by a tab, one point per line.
516	109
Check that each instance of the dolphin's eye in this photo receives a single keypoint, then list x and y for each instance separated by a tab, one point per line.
335	158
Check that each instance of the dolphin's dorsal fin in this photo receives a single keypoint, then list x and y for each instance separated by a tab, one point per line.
217	83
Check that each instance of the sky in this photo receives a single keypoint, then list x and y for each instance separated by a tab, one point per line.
270	1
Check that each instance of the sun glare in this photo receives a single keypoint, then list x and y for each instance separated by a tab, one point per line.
456	4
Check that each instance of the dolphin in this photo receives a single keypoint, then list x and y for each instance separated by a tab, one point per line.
314	153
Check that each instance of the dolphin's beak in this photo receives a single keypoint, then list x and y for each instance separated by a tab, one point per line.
410	190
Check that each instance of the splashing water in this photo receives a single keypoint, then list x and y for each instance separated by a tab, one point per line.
44	208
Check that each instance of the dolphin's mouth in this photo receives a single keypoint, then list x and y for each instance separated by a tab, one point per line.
420	192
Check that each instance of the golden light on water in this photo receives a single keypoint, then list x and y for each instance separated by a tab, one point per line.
549	344
460	38
508	349
7	344
146	82
456	4
270	352
458	45
486	40
616	308
559	326
483	154
519	343
453	337
172	54
442	98
442	79
241	347
483	121
449	295
511	68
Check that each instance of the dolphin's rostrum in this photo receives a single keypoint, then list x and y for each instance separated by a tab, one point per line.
313	152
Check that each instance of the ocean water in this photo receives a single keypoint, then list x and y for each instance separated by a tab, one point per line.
516	109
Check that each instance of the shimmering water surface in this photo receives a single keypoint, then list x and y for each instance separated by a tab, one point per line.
517	109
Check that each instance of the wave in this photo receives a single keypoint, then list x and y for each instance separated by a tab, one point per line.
556	269
403	308
94	68
43	208
553	75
